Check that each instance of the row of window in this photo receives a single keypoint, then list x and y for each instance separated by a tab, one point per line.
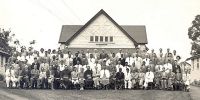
101	38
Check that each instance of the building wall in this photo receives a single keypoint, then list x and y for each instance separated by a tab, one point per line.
195	72
102	26
2	63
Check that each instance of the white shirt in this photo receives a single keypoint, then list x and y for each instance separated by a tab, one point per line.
62	67
149	76
30	59
21	58
130	60
124	69
104	73
118	66
118	55
138	62
127	76
146	60
168	66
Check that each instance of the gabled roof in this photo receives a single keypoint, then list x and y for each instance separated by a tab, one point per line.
136	33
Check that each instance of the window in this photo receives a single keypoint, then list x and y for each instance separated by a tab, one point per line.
106	39
101	38
91	38
198	66
96	38
1	61
111	39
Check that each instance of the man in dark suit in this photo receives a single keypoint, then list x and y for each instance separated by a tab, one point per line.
88	78
76	58
35	63
119	79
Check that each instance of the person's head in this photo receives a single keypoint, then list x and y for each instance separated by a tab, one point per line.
148	69
136	55
88	67
177	71
88	51
74	69
62	62
152	51
78	62
178	57
170	55
146	56
120	69
163	69
49	51
83	55
168	50
168	61
127	70
120	50
42	50
35	59
91	55
143	63
160	50
54	57
126	63
113	54
174	52
82	70
76	54
103	51
95	50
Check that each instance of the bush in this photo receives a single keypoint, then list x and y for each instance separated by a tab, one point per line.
1	77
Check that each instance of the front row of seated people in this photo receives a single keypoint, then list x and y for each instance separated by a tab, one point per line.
87	78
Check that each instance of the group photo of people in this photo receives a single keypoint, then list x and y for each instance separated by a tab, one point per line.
96	69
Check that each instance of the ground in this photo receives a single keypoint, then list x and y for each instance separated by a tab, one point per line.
20	94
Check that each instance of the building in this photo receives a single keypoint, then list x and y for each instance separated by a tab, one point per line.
4	55
101	31
195	67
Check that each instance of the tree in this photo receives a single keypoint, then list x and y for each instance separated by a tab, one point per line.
194	35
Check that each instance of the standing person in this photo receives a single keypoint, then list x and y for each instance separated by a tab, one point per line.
137	61
160	56
84	61
95	54
88	54
8	76
118	66
35	63
174	54
151	54
103	55
129	59
146	60
76	58
186	80
104	77
119	79
91	61
149	76
119	54
88	78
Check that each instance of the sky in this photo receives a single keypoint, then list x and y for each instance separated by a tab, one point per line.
166	21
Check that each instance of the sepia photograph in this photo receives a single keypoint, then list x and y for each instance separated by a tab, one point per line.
99	50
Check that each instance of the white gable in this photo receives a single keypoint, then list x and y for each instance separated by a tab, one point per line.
101	26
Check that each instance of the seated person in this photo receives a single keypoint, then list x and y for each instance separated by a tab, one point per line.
186	80
149	76
81	78
104	77
25	78
8	76
65	76
135	77
112	80
141	77
42	78
127	79
119	79
56	79
157	78
34	77
88	78
178	80
163	79
96	74
171	78
74	75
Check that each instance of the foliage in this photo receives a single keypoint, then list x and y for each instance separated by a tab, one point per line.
194	35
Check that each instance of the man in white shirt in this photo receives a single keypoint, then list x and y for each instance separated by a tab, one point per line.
8	76
149	76
168	66
127	79
129	59
104	77
79	66
118	66
146	60
42	78
96	74
119	54
137	61
91	61
88	54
